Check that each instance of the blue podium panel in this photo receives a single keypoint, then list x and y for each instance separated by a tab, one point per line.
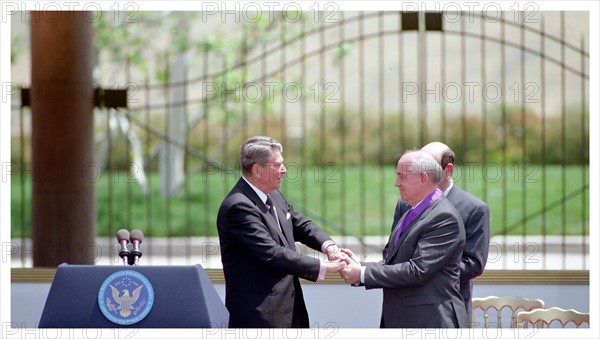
167	297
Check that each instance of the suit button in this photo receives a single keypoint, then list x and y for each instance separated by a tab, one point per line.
293	293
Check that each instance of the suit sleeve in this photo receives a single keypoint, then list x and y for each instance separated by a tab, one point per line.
475	253
433	248
248	230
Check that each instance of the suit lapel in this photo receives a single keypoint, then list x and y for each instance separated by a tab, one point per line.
392	239
409	229
282	211
270	222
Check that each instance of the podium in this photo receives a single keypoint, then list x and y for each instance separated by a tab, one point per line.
183	297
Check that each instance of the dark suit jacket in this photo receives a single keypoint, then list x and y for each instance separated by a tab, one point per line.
420	275
476	218
260	263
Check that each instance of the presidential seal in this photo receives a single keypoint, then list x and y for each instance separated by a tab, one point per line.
126	297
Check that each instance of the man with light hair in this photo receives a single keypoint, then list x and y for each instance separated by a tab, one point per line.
474	213
419	275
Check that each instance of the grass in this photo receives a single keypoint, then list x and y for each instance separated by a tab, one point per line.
354	200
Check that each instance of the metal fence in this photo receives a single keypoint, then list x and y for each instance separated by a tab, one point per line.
346	93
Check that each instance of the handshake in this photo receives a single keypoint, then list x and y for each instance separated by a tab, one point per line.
345	262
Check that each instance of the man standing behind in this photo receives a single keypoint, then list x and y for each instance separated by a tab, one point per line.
475	215
419	275
258	229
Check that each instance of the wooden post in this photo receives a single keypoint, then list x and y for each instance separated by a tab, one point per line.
63	170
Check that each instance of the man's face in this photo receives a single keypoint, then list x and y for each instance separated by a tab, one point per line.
408	180
271	173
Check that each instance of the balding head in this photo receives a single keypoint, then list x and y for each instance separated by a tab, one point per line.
445	158
418	175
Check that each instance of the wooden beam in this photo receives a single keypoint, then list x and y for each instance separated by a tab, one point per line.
492	277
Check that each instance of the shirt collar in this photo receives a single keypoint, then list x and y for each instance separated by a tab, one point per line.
448	189
261	194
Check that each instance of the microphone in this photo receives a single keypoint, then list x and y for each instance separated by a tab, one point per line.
136	239
123	239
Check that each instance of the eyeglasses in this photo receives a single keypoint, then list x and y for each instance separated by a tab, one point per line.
275	165
404	177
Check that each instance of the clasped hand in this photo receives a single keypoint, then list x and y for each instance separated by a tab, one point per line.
345	262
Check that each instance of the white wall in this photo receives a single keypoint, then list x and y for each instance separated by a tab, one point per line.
336	305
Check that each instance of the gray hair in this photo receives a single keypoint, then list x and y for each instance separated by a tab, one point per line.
424	162
257	150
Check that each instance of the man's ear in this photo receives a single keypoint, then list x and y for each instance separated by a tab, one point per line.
256	170
450	169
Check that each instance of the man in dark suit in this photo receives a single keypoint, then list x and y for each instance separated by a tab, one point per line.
475	215
258	229
419	275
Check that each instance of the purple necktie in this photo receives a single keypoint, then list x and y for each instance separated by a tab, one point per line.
416	211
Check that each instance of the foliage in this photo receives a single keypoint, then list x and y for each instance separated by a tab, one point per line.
353	139
360	146
342	134
16	48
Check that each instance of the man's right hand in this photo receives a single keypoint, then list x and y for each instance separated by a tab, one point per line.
336	266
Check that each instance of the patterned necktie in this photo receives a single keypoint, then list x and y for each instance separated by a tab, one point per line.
416	211
272	211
